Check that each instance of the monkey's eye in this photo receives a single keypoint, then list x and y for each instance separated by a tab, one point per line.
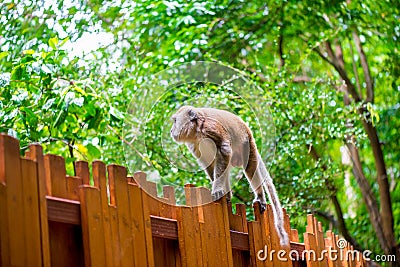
173	119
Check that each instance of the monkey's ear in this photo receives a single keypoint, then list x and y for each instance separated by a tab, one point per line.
192	115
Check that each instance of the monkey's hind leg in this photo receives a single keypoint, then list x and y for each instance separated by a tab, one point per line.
220	185
255	178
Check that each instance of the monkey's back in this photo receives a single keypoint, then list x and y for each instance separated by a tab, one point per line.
237	128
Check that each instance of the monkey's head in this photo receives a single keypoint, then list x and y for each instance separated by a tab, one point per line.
184	124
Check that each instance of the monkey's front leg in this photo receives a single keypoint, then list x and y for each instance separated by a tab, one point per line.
220	185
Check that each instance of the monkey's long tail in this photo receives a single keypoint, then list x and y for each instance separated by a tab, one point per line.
276	205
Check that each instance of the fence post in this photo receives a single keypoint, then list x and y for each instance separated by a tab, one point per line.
92	226
12	223
35	153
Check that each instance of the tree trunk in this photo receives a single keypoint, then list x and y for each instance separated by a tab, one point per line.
384	192
382	222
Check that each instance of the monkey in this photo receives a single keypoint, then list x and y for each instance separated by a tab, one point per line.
220	140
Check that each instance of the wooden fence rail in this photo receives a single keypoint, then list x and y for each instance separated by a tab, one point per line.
48	218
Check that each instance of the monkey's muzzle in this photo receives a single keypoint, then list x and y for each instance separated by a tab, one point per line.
174	136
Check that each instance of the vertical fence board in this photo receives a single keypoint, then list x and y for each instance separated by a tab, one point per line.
165	255
65	245
4	232
146	200
288	231
310	244
118	175
240	258
210	248
294	235
56	173
320	244
169	194
115	236
257	244
114	222
73	184
82	171
36	154
99	175
225	239
189	237
138	229
10	174
31	200
92	226
269	234
235	220
241	211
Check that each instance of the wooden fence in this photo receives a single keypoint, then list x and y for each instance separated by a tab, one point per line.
50	219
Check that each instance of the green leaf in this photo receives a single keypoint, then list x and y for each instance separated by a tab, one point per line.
17	73
28	52
31	117
48	103
79	101
60	118
64	41
53	42
3	54
93	151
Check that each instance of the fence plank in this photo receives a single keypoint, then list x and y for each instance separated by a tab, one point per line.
146	200
56	173
169	194
257	256
31	210
310	244
148	187
73	184
209	247
294	235
320	243
4	232
235	220
36	154
92	226
118	175
82	171
189	238
333	241
10	174
65	245
225	239
99	174
138	229
166	255
268	219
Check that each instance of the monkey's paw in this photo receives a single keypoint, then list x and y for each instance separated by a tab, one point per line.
217	195
263	206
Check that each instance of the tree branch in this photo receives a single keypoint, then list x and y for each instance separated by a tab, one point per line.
339	53
341	225
280	40
382	222
342	72
364	64
368	196
353	63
